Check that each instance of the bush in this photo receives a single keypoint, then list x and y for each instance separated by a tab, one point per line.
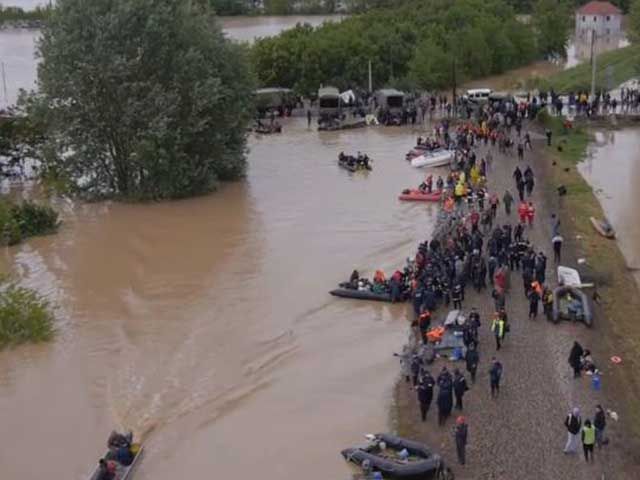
35	219
141	99
20	221
24	317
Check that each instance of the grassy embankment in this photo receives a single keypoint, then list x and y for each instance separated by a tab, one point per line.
623	63
617	313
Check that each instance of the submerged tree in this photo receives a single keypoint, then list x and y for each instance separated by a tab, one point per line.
143	98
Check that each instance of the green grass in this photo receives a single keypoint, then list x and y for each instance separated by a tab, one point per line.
24	317
624	63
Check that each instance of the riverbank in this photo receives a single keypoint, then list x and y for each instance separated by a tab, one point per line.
617	287
521	435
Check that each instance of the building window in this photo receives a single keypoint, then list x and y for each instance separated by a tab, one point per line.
608	18
584	19
595	19
608	31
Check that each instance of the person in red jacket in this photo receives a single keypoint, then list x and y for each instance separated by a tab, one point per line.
523	210
531	213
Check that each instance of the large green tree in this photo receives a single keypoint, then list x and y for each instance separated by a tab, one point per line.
417	42
552	22
634	21
144	98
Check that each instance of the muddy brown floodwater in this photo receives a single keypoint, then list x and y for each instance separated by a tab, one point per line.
206	324
613	169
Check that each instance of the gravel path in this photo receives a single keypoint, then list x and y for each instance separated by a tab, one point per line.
521	434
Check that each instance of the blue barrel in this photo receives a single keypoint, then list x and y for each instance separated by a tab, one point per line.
457	354
596	383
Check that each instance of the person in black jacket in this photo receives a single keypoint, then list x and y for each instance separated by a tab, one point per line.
425	393
572	422
472	358
459	387
600	422
575	357
461	435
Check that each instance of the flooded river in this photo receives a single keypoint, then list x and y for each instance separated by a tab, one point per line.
18	45
613	168
206	323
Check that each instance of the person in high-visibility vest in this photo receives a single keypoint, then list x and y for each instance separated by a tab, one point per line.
588	439
497	327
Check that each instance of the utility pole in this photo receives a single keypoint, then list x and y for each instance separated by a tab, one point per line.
454	103
593	64
4	84
370	78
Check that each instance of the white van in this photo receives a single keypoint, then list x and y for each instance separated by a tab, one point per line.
478	95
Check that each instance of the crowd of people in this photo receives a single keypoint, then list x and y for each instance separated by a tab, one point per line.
471	250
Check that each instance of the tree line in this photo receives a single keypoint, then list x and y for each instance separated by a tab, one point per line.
424	44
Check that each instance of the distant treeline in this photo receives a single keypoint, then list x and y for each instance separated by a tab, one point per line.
286	7
17	14
424	44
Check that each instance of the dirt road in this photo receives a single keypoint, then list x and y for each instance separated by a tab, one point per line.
521	434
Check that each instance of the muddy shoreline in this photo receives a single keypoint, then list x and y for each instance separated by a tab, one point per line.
521	435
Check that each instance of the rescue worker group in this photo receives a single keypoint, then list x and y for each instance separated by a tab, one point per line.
469	249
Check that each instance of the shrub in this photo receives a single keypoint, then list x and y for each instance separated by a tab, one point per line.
19	221
24	316
35	219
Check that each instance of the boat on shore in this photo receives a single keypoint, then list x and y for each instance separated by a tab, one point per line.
122	472
603	227
415	195
396	457
571	303
435	158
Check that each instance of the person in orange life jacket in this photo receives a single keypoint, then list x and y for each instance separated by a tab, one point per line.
424	322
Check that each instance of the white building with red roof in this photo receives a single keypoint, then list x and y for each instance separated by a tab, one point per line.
602	18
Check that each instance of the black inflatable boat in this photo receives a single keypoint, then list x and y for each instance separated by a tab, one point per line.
361	294
422	463
354	167
571	303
